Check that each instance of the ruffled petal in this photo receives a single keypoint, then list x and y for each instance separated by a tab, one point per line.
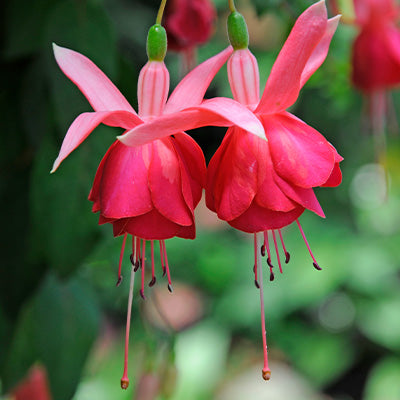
123	190
91	81
283	85
151	226
300	154
193	165
217	112
304	197
165	184
259	219
84	124
234	183
192	88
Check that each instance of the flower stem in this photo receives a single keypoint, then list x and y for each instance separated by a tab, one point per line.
232	7
161	12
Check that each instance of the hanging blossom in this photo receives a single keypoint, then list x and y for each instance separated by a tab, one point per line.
261	186
149	190
189	23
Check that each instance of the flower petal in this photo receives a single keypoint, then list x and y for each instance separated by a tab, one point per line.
320	52
84	124
91	81
300	154
193	165
283	85
165	184
218	112
192	88
258	219
304	197
124	188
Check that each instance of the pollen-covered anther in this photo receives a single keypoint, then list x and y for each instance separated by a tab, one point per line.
316	266
170	288
266	374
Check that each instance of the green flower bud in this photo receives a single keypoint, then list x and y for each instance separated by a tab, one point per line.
237	31
156	46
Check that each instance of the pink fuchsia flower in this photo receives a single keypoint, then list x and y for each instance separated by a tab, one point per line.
264	185
189	23
149	190
376	49
34	386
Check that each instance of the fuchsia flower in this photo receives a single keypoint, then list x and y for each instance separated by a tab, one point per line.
376	49
189	23
149	190
263	185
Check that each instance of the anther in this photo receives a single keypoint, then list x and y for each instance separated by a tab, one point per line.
256	283
137	265
142	294
132	259
153	281
170	288
316	266
269	263
266	374
263	250
271	276
119	281
287	259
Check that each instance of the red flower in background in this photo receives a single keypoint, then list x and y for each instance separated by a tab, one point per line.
376	49
189	23
34	386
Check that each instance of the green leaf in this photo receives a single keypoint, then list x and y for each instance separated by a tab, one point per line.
57	328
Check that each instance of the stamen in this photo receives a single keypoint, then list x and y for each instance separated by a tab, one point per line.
316	266
143	265
266	373
162	257
121	256
287	254
132	256
255	262
167	268
137	262
266	244
125	379
277	251
153	278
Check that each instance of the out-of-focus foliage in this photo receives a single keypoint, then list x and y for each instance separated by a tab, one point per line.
333	333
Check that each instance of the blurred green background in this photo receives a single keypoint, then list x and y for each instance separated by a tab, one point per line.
333	334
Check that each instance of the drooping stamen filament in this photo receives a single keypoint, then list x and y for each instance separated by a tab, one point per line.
121	256
266	372
287	254
153	278
167	267
277	251
125	379
137	255
143	255
266	245
132	256
255	268
316	266
162	258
